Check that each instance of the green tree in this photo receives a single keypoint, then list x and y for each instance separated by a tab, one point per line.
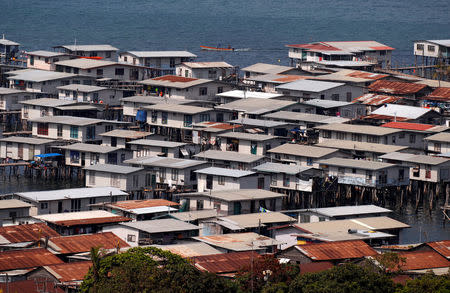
150	269
427	283
343	279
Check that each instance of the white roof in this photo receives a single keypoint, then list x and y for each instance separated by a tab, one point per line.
247	94
403	111
48	102
326	103
71	193
258	122
445	43
345	63
306	85
219	64
89	47
44	53
256	106
281	168
8	91
350	210
94	148
162	54
267	68
157	143
306	117
110	168
13	204
26	140
6	42
161	226
164	162
357	164
152	210
82	88
36	75
225	172
84	63
70	120
228	156
75	216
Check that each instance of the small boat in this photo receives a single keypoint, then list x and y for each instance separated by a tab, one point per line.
207	48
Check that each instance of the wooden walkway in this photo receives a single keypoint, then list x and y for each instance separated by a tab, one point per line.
14	164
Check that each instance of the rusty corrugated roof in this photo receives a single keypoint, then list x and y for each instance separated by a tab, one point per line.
440	94
174	78
27	258
68	272
396	87
138	204
384	117
443	247
92	221
83	243
376	99
408	126
421	260
367	75
314	267
336	250
30	286
225	262
27	232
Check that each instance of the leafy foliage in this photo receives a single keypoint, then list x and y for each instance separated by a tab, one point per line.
427	283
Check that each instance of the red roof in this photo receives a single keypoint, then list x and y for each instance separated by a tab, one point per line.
314	267
27	233
422	260
27	258
383	48
367	75
68	272
408	126
336	250
148	203
289	78
440	94
316	46
224	262
92	221
30	286
84	243
174	78
385	117
396	87
443	247
376	100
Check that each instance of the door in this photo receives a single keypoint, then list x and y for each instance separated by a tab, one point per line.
153	180
209	181
20	152
30	152
60	207
83	159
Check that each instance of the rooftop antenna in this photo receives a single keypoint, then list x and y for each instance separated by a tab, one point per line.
3	36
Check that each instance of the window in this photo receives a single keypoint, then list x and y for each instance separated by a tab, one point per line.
356	137
204	117
187	120
341	171
108	128
368	175
113	141
221	180
172	62
90	132
309	161
31	60
42	129
174	174
76	70
203	91
125	59
120	71
401	135
430	48
326	134
165	151
322	97
75	205
112	158
200	204
261	183
74	157
427	171
437	147
95	97
373	139
131	238
286	180
154	116
135	180
114	180
92	200
162	173
74	132
393	139
353	170
349	96
91	177
108	55
419	47
401	174
44	205
335	97
13	215
164	116
341	135
273	180
412	138
382	53
220	90
99	72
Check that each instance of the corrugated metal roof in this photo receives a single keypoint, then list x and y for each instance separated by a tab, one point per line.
279	78
162	54
327	104
29	286
174	81
89	47
84	243
315	267
336	250
408	126
443	247
69	272
36	75
267	68
360	146
418	260
239	241
220	64
60	194
82	88
396	87
225	172
48	102
26	232
84	63
139	204
281	168
195	215
9	91
81	218
110	168
302	150
239	94
6	42
157	143
305	117
258	122
349	75
256	106
225	262
27	258
162	226
376	99
93	221
165	162
445	43
417	159
236	195
247	136
228	156
253	220
152	210
440	94
13	204
355	128
70	120
189	249
358	164
443	137
314	86
91	148
125	133
177	108
155	100
401	111
350	210
44	53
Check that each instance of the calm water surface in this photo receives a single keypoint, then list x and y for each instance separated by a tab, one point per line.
263	26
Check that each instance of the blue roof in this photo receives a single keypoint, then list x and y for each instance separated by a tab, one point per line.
48	155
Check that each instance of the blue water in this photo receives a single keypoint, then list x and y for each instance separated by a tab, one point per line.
264	26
